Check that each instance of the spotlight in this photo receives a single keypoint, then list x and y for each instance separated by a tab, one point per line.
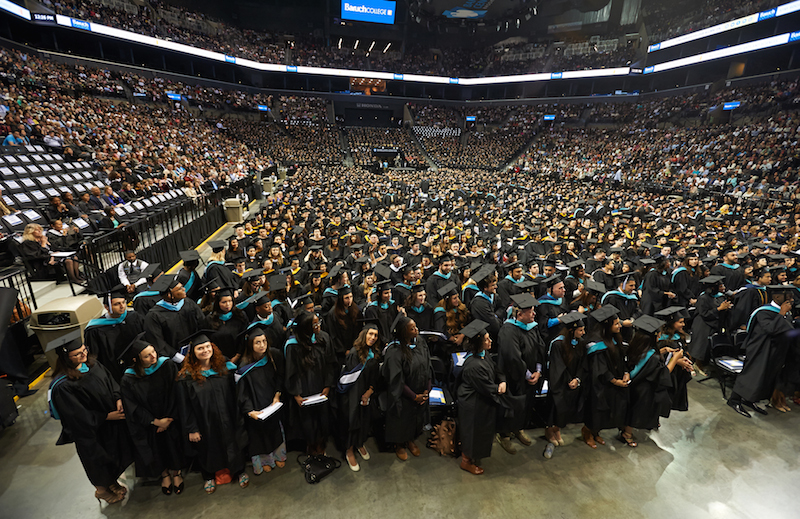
340	43
356	45
370	47
387	47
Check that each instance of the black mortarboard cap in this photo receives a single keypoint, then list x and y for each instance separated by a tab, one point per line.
648	324
573	319
152	270
383	271
217	245
594	287
190	255
198	337
524	301
474	328
399	321
575	264
68	342
604	313
277	282
551	281
380	286
448	290
164	283
712	280
132	351
672	313
252	273
484	272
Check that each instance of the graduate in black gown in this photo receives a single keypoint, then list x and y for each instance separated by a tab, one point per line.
226	323
650	380
607	391
265	318
670	340
87	401
407	371
188	275
109	336
209	414
149	397
656	287
278	293
766	347
482	396
710	314
484	304
417	308
259	384
383	309
173	318
522	358
355	406
216	268
341	323
566	370
624	299
551	305
311	371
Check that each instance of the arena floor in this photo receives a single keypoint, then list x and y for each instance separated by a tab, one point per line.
708	462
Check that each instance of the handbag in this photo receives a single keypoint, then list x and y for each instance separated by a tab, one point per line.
317	467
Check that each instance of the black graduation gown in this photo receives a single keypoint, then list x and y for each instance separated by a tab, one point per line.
520	351
678	394
765	348
567	404
108	342
653	287
145	399
144	301
224	276
745	302
404	417
734	277
607	280
506	288
707	321
225	337
195	285
479	405
425	320
649	393
310	423
282	310
628	306
437	281
256	386
104	446
385	317
485	310
166	328
276	335
685	286
342	337
547	316
353	419
209	407
606	404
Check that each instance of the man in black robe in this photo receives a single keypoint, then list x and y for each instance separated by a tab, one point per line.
765	348
108	336
730	270
625	300
265	319
384	310
172	318
522	358
508	286
485	305
750	297
551	306
442	276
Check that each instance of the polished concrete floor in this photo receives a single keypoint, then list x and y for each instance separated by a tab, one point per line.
708	462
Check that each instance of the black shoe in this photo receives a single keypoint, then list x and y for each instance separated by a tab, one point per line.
755	407
737	406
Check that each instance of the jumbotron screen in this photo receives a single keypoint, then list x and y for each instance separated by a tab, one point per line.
375	11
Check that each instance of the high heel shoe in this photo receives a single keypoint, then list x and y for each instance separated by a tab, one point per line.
166	490
108	496
178	488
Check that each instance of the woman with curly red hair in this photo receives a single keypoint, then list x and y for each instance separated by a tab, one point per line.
207	403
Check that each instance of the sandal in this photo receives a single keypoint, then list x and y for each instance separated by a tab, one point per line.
630	441
177	488
210	486
280	464
166	490
599	439
118	489
243	480
108	496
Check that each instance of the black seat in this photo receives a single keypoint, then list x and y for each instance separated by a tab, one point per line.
726	359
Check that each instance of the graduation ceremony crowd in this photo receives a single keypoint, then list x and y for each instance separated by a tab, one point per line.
358	306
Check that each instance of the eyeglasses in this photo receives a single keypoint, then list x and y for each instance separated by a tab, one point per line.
79	353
